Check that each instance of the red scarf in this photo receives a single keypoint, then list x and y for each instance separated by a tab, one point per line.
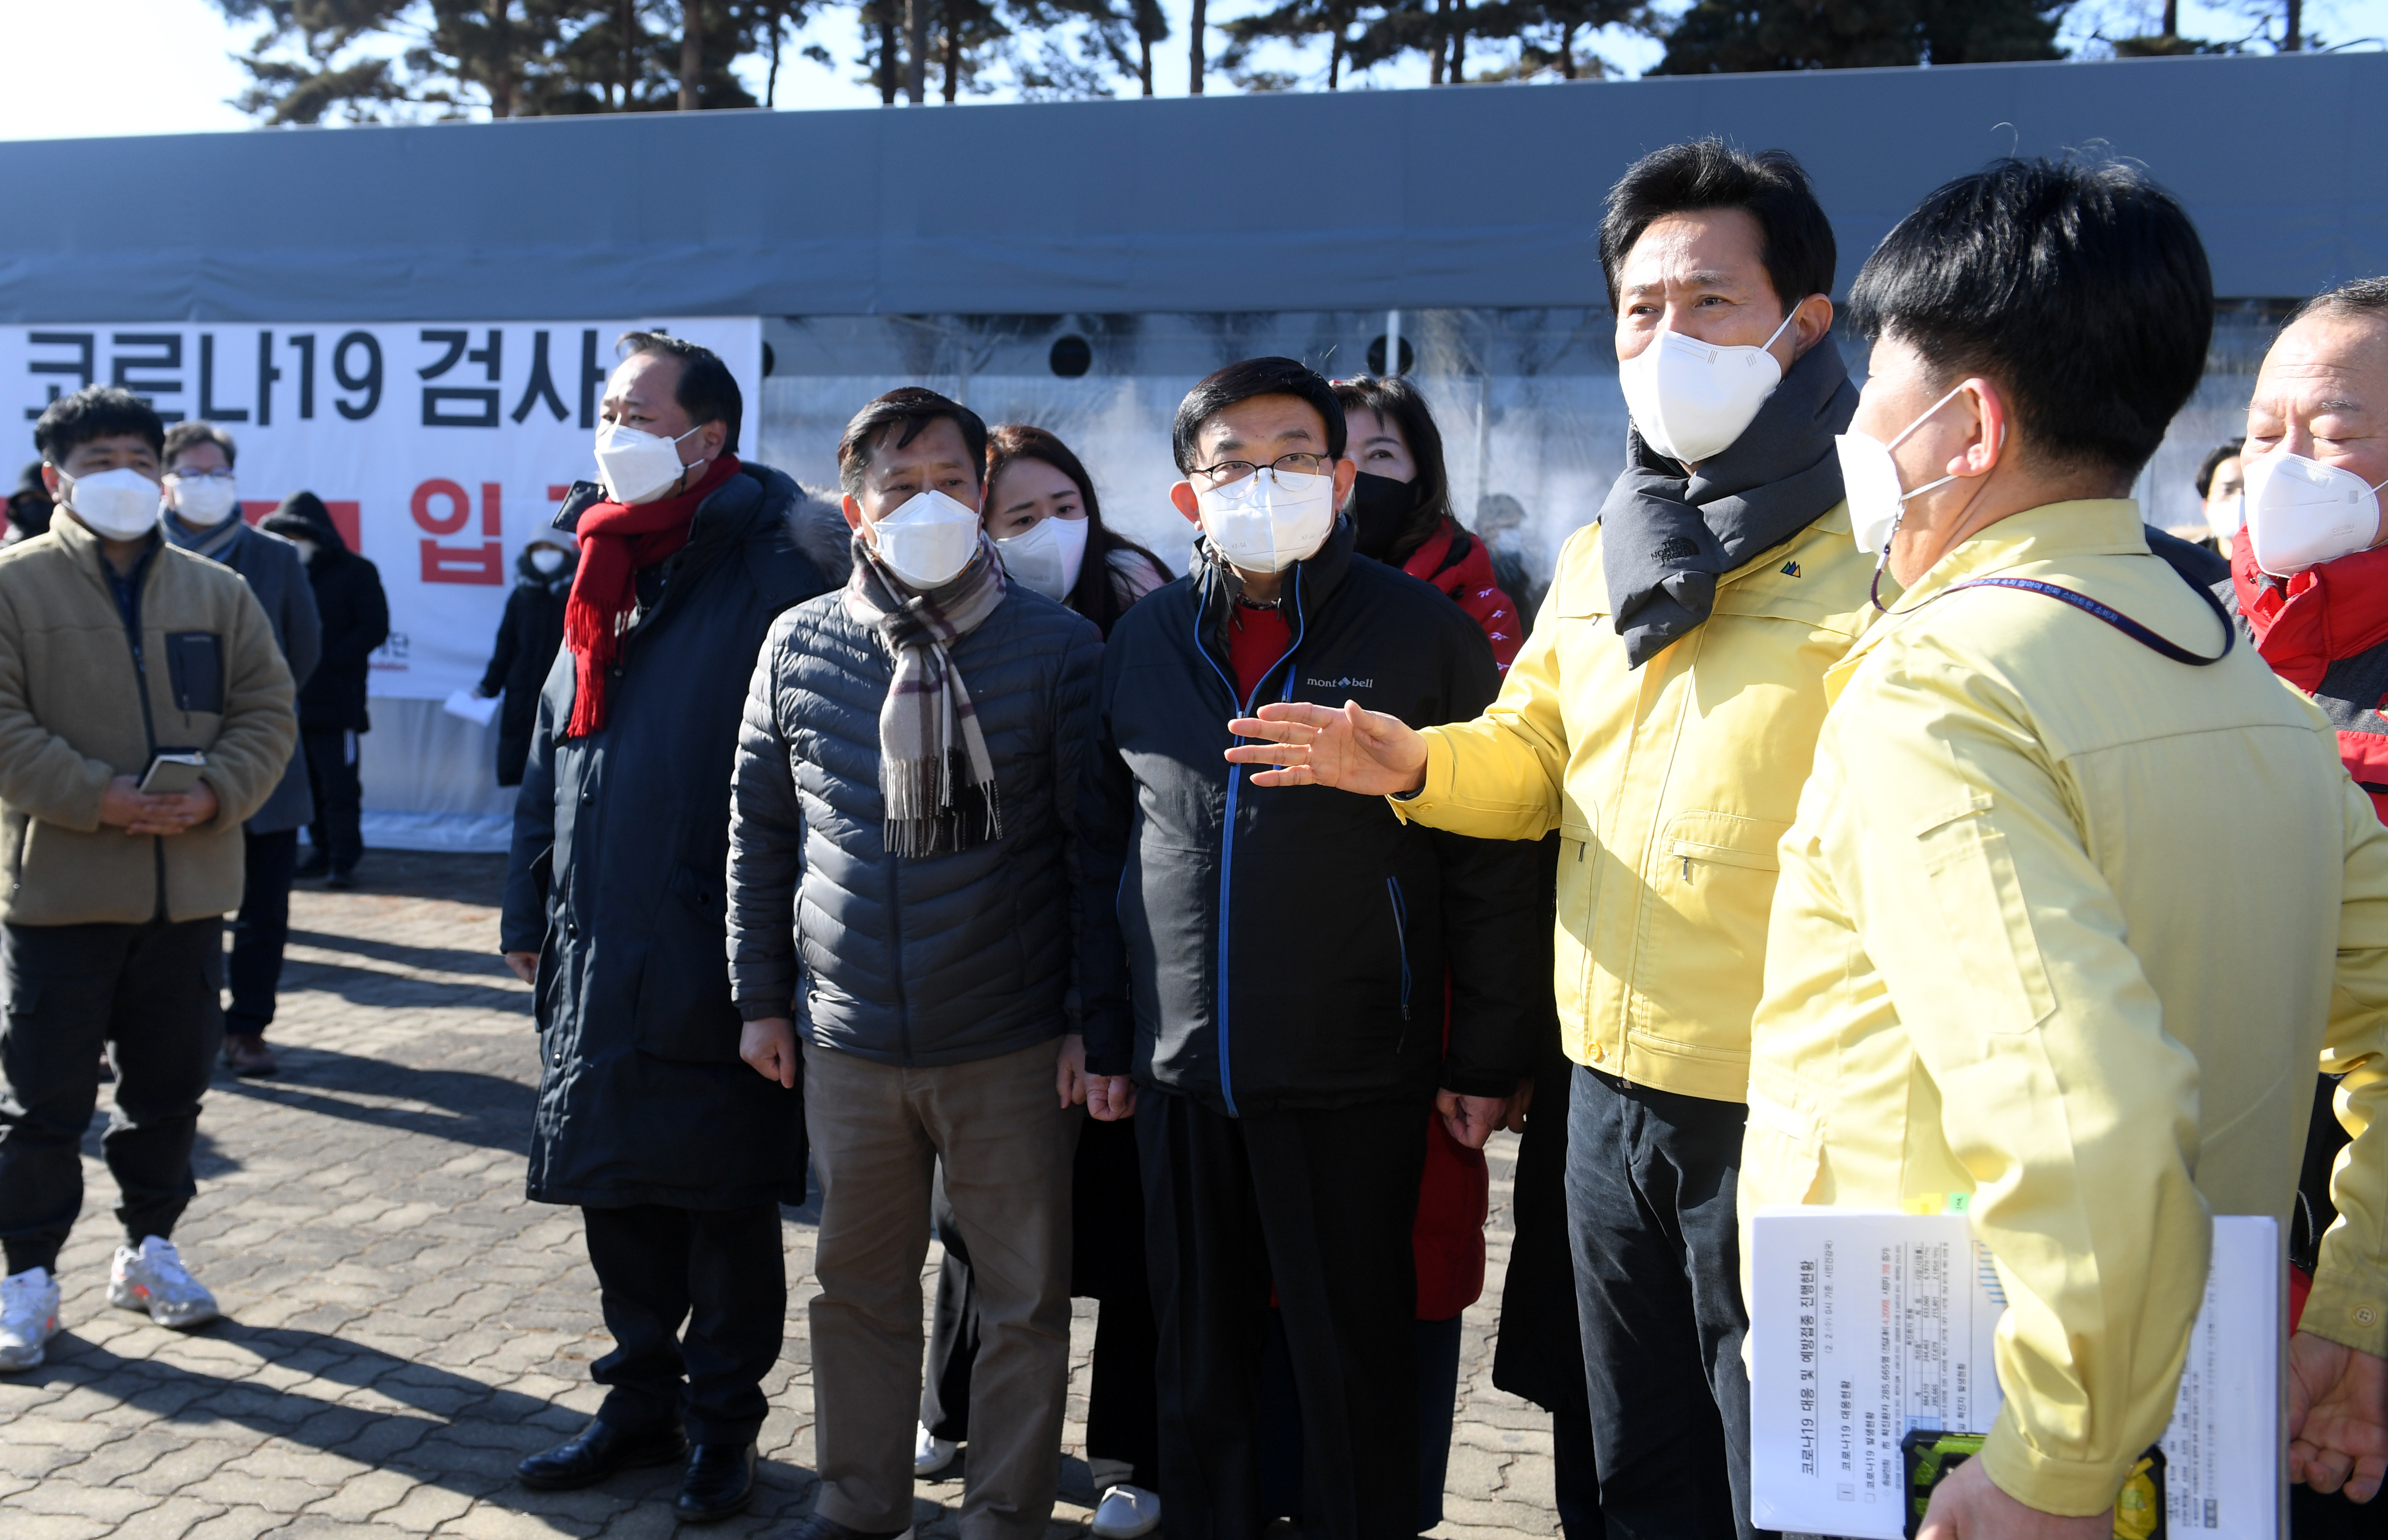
616	540
2306	623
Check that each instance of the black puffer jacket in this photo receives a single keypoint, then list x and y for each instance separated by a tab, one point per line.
355	614
529	636
942	960
615	882
1333	920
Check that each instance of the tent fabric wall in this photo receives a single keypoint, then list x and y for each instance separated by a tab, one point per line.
1483	195
1480	219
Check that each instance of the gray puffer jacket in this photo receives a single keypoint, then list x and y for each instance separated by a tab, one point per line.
939	961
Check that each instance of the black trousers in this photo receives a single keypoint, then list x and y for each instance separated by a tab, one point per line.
1107	1265
259	931
1437	1344
332	757
720	1270
1650	1184
1319	1206
151	989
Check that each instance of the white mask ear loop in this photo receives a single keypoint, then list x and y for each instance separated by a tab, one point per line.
1788	316
1874	591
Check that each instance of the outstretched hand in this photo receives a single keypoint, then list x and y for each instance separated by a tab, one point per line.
2338	1417
1366	752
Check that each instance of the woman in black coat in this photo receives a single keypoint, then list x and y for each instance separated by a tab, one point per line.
529	637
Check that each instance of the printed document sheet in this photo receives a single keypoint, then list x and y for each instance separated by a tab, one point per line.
1868	1323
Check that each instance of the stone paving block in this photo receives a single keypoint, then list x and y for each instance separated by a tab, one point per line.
237	1524
424	1508
56	1526
166	1518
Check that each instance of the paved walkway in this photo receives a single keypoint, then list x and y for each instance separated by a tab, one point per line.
403	1326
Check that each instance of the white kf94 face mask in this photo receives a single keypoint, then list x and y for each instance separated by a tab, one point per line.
636	466
928	541
121	504
1268	522
1690	398
1047	556
204	501
1870	481
2301	513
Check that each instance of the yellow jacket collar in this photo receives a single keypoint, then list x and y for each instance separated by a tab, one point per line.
2087	526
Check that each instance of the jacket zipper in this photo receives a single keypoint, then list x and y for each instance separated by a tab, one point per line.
1401	940
149	723
1228	836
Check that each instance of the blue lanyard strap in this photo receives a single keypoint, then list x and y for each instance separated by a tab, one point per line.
2116	617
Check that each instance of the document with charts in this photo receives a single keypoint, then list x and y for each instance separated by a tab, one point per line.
1867	1323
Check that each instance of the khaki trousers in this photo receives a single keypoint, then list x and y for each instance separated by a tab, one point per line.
877	1132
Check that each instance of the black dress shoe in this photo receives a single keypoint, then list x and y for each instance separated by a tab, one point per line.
596	1452
822	1527
720	1482
340	880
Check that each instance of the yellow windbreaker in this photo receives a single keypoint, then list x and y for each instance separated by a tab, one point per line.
2016	954
1670	786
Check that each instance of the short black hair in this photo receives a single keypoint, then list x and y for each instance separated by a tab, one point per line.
904	411
2079	286
2214	458
2360	297
708	391
1771	187
182	435
1240	382
95	412
1403	405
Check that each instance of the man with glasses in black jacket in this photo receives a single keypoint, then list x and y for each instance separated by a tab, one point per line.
1290	957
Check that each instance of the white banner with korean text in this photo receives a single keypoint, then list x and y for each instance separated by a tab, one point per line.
441	447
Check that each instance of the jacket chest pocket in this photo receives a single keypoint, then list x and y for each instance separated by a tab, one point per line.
195	672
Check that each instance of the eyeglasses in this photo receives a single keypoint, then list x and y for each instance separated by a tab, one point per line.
200	476
1287	466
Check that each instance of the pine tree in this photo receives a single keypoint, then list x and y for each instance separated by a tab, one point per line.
1732	36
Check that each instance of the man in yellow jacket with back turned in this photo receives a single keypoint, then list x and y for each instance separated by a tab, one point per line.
2009	955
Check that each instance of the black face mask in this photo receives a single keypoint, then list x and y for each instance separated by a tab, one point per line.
1380	507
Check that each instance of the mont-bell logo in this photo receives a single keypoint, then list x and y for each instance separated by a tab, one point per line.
1346	682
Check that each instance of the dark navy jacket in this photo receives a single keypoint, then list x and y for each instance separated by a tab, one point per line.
945	959
1288	946
616	881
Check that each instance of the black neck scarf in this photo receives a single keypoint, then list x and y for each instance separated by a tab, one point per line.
1665	538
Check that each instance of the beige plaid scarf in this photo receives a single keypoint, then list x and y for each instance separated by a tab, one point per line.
935	773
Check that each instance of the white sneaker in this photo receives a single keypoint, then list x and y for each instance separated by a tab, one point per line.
932	1455
152	1279
29	1318
1127	1513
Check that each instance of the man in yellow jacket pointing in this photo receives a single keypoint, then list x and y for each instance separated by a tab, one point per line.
1999	963
1660	721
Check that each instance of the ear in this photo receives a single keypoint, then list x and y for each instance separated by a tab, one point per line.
713	435
1812	320
1982	454
1346	476
50	480
1183	498
853	510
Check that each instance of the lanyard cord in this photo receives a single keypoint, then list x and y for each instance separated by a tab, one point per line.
2112	616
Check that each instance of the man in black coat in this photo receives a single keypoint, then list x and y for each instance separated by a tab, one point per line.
676	1152
1289	957
529	636
332	716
